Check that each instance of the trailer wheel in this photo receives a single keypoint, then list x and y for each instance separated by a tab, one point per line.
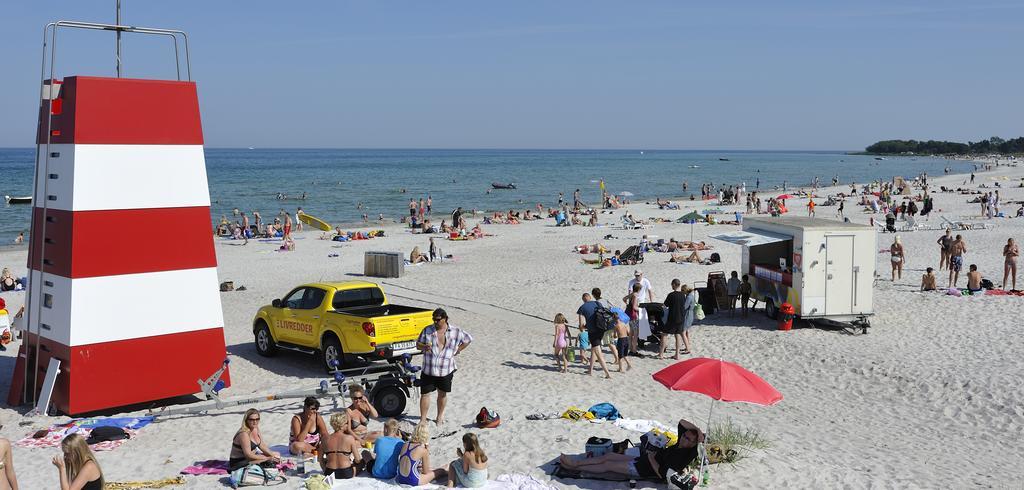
265	345
389	401
331	353
770	309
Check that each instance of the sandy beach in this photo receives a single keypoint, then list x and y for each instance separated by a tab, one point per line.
930	397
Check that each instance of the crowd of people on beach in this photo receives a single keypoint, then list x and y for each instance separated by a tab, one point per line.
952	250
245	229
343	450
603	325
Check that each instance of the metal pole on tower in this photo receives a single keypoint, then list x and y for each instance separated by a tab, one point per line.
118	49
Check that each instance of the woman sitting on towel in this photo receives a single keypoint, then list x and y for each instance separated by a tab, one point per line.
416	256
307	428
339	452
77	466
360	412
414	460
247	440
652	465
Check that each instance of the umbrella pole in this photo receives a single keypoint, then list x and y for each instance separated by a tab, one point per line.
703	452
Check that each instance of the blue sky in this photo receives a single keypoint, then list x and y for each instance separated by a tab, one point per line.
555	74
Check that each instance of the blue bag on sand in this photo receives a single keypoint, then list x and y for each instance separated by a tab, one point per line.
605	411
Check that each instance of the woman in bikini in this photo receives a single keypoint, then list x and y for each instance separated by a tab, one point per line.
247	441
1010	253
414	460
360	412
307	428
339	451
897	259
8	480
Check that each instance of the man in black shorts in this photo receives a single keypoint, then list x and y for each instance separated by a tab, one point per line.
440	343
585	313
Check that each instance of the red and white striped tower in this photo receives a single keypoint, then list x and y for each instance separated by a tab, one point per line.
125	273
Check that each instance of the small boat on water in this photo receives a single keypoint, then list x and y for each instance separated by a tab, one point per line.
879	158
499	185
18	200
694	166
723	159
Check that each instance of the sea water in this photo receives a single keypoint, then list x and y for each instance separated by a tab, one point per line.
342	185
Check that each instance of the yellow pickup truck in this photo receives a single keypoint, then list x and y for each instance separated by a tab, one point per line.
338	320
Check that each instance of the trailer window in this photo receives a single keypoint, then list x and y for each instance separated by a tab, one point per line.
768	255
352	298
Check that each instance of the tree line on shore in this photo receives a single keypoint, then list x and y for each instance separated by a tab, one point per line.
994	144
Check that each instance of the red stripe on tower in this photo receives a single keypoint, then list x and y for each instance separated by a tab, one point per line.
124	111
158	365
83	244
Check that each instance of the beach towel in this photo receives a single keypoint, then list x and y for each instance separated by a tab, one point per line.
514	481
57	433
221	467
1003	292
605	411
122	422
640	425
560	472
134	485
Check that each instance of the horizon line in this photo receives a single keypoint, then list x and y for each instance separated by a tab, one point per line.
403	148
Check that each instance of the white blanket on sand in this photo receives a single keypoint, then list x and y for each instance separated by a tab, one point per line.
640	425
514	481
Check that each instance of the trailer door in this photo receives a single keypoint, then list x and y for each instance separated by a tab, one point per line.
839	287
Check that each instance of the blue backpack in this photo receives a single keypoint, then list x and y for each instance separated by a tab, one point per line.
605	411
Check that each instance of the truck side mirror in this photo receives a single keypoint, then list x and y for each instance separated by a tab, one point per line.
276	303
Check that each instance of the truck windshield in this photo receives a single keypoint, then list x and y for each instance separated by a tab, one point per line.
352	298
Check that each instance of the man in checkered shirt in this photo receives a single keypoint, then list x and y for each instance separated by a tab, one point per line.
440	343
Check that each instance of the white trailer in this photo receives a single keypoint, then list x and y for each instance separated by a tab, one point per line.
824	268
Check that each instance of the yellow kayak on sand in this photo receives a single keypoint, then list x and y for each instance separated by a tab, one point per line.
314	222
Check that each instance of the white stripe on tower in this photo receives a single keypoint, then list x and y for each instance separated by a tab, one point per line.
128	306
98	177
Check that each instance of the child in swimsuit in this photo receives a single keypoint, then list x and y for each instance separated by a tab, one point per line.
470	470
561	342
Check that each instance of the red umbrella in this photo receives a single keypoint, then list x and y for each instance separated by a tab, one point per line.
784	196
718	379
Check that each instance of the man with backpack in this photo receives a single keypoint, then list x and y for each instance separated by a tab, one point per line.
596	315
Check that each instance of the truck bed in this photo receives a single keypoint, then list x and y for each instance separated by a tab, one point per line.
376	311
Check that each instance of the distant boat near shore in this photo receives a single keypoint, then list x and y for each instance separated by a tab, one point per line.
499	185
879	158
723	159
18	200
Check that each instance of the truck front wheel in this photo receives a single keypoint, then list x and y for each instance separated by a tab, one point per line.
389	401
770	309
265	345
331	353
